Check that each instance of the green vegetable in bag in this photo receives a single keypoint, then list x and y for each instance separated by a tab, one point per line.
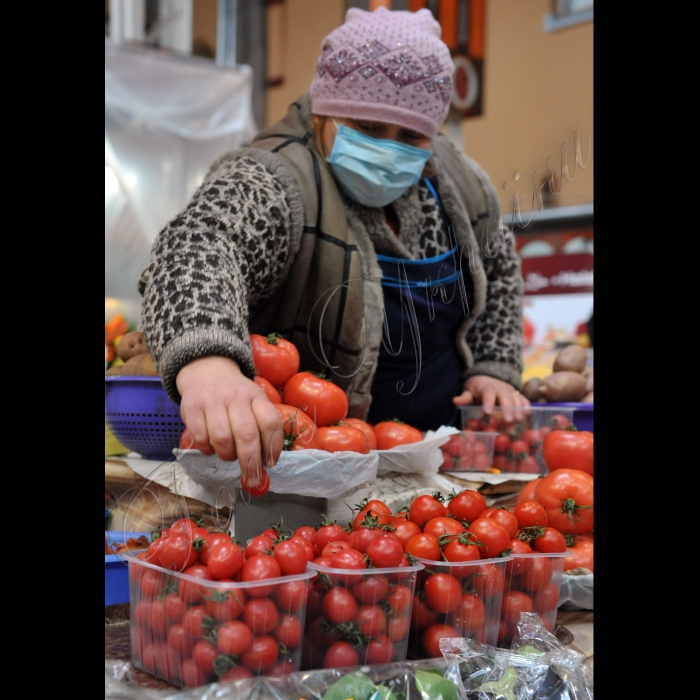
355	685
433	686
383	693
504	687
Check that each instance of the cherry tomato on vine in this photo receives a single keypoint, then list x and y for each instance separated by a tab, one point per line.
423	546
530	514
467	505
443	525
385	551
492	535
225	560
550	541
425	508
300	432
291	557
507	519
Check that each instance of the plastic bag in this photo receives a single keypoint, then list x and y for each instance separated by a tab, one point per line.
423	457
432	679
331	475
576	592
536	667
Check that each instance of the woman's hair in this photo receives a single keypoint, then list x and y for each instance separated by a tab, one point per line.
318	121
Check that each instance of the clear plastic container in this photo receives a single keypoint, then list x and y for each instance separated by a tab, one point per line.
358	616
519	433
532	584
468	451
190	632
465	601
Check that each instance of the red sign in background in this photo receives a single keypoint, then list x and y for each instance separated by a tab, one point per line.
558	274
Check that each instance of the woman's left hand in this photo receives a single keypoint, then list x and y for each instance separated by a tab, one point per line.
490	392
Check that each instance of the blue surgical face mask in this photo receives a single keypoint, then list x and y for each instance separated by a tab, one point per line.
374	172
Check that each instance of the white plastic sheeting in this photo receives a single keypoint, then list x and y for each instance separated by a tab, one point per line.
167	118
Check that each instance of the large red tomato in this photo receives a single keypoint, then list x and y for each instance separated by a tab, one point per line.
324	401
527	493
390	433
569	449
567	497
582	548
272	394
343	438
366	428
300	432
275	358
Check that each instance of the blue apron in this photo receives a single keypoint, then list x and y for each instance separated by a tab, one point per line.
419	367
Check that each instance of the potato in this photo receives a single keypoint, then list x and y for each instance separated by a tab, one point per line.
140	365
530	389
571	358
588	374
588	398
131	344
114	370
563	386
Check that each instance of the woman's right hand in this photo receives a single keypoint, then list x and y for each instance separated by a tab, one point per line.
228	414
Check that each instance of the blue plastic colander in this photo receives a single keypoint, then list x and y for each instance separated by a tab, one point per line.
142	417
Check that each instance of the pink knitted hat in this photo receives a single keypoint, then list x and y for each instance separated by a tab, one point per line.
385	66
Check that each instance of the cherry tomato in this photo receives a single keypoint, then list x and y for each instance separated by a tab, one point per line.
442	592
305	531
529	465
559	421
272	394
225	605
175	607
425	508
433	635
291	557
324	402
225	560
550	540
501	444
177	553
422	615
492	535
333	548
380	650
151	583
397	628
364	536
569	449
518	565
546	600
330	532
288	631
481	462
178	639
366	428
192	592
371	588
343	438
538	574
532	437
259	568
371	519
461	549
192	622
261	544
443	525
348	559
530	514
290	596
262	488
234	637
261	656
467	505
261	615
376	505
192	676
204	654
423	546
469	616
275	358
507	519
340	654
371	620
299	431
514	602
385	551
390	433
404	530
399	598
502	463
339	605
209	542
567	497
520	449
488	581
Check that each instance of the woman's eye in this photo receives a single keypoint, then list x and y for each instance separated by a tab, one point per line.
370	127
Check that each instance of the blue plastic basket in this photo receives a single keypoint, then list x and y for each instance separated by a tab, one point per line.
142	417
117	569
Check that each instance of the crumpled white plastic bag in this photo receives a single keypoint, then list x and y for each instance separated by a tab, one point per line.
424	457
330	475
576	592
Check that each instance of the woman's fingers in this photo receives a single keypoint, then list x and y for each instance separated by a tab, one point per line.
271	431
464	399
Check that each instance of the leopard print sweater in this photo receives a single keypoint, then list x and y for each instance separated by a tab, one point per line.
216	263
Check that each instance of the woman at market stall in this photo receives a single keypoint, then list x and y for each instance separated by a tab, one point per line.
358	232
